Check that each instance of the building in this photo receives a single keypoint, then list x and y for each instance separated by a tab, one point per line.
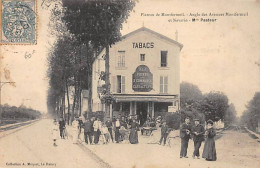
144	75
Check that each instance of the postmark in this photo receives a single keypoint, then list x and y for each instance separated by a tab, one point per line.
18	21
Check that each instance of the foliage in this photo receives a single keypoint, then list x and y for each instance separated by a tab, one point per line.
83	29
211	105
190	94
97	21
214	105
13	112
251	115
173	120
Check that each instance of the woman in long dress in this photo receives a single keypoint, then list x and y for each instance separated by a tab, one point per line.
133	137
209	151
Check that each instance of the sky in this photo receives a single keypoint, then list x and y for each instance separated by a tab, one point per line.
216	56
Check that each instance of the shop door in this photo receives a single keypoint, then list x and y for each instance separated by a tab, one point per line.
141	110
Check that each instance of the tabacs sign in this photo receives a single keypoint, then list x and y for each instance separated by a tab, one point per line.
142	79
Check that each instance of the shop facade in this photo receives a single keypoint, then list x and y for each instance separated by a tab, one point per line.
144	75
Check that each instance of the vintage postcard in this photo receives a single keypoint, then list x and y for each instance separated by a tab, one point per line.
130	84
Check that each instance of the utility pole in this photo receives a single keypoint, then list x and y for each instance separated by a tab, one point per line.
1	85
258	64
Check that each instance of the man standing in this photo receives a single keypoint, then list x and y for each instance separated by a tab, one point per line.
97	129
117	133
198	137
92	120
62	127
185	131
87	131
109	127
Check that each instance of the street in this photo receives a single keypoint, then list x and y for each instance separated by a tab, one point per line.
32	146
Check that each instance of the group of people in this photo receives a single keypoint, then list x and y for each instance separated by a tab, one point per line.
111	130
197	133
121	129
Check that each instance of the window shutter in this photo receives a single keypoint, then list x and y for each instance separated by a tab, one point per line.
123	84
166	84
161	84
123	59
119	84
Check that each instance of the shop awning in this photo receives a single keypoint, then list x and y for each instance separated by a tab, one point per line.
141	98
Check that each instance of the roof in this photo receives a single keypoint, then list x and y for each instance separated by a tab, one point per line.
152	32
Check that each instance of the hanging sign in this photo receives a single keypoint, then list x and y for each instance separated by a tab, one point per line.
142	79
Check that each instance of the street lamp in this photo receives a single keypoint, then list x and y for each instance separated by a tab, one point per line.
1	85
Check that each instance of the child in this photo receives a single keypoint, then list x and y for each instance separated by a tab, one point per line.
105	133
209	151
55	132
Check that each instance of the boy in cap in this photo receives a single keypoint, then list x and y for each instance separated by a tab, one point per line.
164	133
185	131
198	137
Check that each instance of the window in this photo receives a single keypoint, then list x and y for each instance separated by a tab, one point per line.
121	59
164	58
120	84
142	57
163	84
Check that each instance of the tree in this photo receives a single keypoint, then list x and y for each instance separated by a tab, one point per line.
251	115
191	97
214	105
96	25
62	69
190	94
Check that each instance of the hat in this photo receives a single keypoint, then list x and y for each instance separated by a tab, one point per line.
187	117
196	119
210	122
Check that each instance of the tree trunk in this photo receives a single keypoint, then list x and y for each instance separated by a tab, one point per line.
63	105
107	106
58	106
74	98
68	101
90	89
79	101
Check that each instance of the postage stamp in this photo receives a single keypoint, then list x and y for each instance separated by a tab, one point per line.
18	21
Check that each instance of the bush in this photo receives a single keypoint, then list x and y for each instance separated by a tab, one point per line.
173	120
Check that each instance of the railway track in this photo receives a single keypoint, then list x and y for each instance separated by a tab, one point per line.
12	128
6	128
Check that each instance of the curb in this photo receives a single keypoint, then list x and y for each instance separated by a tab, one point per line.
93	155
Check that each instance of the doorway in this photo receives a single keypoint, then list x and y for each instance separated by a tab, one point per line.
141	111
